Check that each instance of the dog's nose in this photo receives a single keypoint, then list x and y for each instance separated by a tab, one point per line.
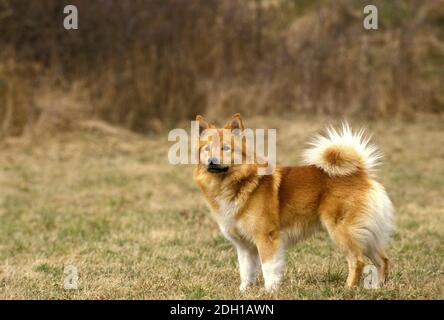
213	161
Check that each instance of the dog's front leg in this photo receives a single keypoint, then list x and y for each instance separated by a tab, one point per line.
248	265
272	254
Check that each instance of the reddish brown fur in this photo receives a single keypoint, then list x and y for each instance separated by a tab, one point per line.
293	202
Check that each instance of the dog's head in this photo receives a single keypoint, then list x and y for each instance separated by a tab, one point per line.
223	150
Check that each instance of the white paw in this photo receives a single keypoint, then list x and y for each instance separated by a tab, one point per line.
244	286
272	287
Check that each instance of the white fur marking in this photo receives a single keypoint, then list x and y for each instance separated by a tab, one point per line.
369	155
248	258
248	266
377	224
273	269
227	212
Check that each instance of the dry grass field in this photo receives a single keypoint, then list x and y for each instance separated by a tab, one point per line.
108	202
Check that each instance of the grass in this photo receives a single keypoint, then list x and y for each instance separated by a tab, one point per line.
136	227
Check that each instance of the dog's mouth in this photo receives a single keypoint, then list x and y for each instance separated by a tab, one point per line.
216	168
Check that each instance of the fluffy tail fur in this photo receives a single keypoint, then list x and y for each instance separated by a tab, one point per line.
342	152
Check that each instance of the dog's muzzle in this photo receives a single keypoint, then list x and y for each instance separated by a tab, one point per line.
214	166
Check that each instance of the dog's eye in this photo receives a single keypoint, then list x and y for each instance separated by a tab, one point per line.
225	147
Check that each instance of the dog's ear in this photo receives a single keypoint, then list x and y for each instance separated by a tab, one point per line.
203	124
235	123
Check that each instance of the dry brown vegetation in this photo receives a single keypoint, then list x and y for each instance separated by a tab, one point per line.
80	184
146	65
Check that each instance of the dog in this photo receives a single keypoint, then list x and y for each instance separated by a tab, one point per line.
334	190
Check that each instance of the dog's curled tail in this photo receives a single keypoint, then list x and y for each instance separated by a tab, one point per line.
342	152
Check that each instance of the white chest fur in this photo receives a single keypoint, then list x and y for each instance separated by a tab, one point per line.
226	217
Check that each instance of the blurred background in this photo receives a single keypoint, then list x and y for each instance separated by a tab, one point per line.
84	176
146	65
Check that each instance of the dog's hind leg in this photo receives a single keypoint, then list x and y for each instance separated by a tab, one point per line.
381	262
355	267
341	234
